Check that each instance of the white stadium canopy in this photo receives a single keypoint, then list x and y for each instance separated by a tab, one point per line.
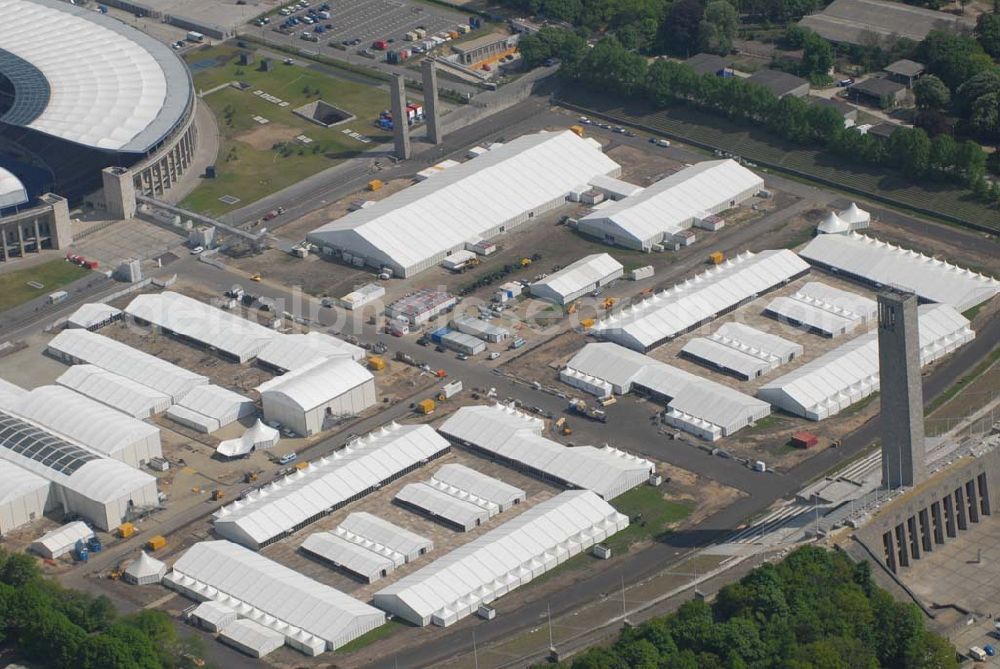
455	585
882	264
849	373
202	323
90	79
81	346
128	396
313	617
686	305
672	204
294	501
414	229
12	191
507	434
578	279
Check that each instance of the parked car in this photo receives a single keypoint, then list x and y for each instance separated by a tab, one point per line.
197	250
286	458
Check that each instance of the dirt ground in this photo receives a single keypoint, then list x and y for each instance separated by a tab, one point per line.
265	136
642	167
300	228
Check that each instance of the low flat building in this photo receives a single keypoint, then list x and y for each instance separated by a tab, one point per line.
878	92
33	229
905	71
485	48
848	112
780	83
421	306
579	279
709	63
477	327
855	21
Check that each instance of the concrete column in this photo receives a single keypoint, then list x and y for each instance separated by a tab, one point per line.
972	500
926	541
914	534
3	245
429	71
400	127
984	494
904	556
949	517
119	192
20	239
890	551
938	521
38	238
963	521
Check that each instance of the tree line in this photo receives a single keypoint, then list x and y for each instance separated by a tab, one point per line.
609	67
814	610
66	629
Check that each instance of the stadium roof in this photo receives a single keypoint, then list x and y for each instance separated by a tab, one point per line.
16	482
397	543
271	594
319	382
674	311
504	432
454	586
293	351
712	402
850	20
126	395
883	264
584	274
832	382
12	191
290	502
88	78
98	427
89	347
202	323
825	309
671	204
468	201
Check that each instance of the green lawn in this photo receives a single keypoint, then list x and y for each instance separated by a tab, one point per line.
377	634
248	166
14	288
657	514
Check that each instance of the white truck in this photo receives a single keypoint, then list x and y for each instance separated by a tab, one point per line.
192	36
449	390
977	654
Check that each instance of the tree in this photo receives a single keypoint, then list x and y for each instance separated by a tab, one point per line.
988	33
931	93
953	58
19	569
718	29
679	31
984	118
817	55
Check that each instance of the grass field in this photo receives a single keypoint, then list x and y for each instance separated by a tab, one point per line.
248	167
658	514
945	200
388	629
14	288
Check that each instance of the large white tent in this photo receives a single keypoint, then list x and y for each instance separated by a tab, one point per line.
455	585
24	496
823	309
416	228
222	405
742	351
100	428
484	490
257	436
368	565
189	319
292	502
695	404
507	434
377	534
93	315
451	511
644	220
10	392
116	391
700	299
313	617
578	279
80	346
849	373
251	638
60	541
882	264
294	351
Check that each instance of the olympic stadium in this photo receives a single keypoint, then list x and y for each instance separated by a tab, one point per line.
81	92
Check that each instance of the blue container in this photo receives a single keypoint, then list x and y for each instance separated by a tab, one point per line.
438	334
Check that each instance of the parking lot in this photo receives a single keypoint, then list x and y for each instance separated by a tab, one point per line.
364	21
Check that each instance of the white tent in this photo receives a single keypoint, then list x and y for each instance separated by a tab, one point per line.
218	403
144	570
833	225
118	392
252	638
256	436
578	279
62	540
823	309
24	496
399	544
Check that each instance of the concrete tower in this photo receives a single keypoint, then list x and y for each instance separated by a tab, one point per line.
400	125
429	71
119	192
901	395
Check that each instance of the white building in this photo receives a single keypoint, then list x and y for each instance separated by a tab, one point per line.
221	405
293	351
62	540
93	316
213	616
695	404
825	310
144	570
477	327
311	616
24	497
647	219
80	346
400	544
450	510
512	437
419	307
879	264
742	351
99	489
613	188
413	230
702	298
522	549
190	320
128	396
849	373
251	638
361	296
293	502
96	426
305	398
578	279
10	392
485	491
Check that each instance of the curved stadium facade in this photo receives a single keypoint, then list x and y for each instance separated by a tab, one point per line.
80	92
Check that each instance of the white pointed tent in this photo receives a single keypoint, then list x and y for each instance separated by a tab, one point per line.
256	436
833	225
856	217
144	570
